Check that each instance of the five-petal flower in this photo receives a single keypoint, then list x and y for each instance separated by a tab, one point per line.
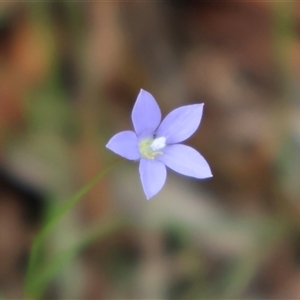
156	143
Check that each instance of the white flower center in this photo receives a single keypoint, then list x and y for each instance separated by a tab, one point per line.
149	148
158	143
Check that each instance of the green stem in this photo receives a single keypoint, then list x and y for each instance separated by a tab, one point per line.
98	231
53	220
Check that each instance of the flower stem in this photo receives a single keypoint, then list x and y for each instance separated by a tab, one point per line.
52	221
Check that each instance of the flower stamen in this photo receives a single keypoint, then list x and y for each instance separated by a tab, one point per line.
148	147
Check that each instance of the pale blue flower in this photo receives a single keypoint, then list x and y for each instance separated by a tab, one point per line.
156	144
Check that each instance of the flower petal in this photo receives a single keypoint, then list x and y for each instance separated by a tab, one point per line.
153	175
146	114
185	160
180	123
125	143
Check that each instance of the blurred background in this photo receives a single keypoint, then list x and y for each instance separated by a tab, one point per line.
69	76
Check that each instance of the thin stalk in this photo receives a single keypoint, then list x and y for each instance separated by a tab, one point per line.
53	221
